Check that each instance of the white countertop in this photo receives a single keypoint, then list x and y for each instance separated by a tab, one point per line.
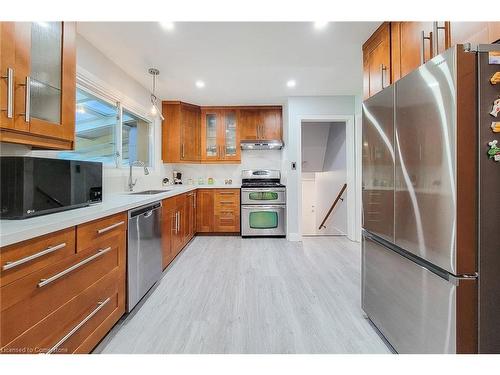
13	231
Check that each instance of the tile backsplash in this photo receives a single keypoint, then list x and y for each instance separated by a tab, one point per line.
115	180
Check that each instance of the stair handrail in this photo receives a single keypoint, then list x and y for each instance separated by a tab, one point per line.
339	195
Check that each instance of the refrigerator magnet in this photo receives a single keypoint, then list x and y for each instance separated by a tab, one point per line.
494	151
495	79
496	108
495	126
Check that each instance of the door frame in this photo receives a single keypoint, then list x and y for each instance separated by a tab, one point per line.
352	173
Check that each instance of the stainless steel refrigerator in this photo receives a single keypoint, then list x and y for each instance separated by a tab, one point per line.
431	207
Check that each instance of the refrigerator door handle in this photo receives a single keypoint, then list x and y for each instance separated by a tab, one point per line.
455	280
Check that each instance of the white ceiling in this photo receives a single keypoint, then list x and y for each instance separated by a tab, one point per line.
240	62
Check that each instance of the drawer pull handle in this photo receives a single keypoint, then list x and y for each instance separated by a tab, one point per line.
9	265
99	253
103	230
100	305
227	202
225	193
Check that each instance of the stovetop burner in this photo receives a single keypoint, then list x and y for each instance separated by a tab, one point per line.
259	178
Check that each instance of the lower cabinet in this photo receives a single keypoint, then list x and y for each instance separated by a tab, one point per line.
178	224
218	211
58	300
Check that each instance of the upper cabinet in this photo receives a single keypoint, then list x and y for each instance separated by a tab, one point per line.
377	61
260	123
193	134
181	132
220	135
397	48
38	83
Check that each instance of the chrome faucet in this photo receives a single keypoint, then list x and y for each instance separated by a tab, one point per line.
131	182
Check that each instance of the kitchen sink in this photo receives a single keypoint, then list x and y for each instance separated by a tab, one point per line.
150	192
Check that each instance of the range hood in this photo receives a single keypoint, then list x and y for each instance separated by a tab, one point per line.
261	144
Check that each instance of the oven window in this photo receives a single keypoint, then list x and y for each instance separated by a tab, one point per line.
263	196
263	220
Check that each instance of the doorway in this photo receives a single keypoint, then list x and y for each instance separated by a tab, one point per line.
323	176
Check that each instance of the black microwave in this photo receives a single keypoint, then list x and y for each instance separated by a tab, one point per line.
37	186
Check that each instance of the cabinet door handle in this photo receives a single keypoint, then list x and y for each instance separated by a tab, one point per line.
10	92
51	279
103	230
422	46
435	30
100	305
27	99
182	150
9	265
383	69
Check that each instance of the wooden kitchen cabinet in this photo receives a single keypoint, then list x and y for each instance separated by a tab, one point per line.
58	288
178	224
218	211
38	84
205	210
220	135
409	39
168	228
226	210
180	132
377	61
260	123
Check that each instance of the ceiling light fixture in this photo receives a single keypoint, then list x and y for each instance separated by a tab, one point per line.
320	24
291	83
200	84
167	25
154	100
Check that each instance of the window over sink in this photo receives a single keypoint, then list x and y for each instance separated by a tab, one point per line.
109	132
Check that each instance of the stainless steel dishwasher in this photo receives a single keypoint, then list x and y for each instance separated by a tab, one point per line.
144	254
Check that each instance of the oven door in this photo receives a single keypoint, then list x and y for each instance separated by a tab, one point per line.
262	220
263	196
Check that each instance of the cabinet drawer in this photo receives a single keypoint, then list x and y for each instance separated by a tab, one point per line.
87	233
227	220
23	258
69	325
227	198
28	300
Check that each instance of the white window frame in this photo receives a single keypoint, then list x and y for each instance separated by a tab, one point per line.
122	103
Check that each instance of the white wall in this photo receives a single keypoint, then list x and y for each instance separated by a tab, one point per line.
314	142
325	108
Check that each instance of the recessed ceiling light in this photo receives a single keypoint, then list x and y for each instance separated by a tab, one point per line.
200	84
291	83
320	24
167	25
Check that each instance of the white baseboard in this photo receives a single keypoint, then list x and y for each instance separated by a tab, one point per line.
294	237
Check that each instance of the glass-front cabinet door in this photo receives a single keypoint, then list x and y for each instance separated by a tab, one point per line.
44	80
211	149
230	147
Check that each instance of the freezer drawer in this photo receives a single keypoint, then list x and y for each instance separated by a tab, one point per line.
415	309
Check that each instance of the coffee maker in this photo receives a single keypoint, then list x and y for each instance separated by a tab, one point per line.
177	178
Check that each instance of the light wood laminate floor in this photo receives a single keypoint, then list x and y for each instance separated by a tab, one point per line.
234	295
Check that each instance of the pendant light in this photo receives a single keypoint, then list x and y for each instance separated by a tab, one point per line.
155	110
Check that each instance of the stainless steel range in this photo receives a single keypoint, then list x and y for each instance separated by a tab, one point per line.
263	204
